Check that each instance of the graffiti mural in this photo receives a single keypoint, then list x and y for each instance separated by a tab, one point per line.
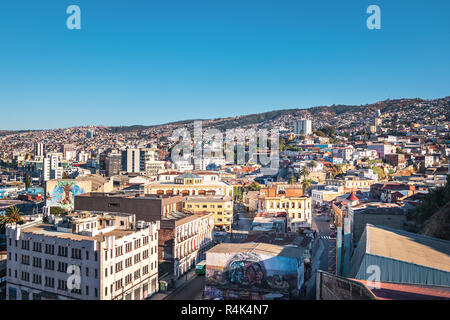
61	193
246	272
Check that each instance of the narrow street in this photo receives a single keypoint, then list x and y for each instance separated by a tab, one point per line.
193	289
327	259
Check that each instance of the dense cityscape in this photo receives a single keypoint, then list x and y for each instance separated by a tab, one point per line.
358	209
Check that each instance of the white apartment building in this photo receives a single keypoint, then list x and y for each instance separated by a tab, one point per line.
39	149
131	160
51	169
86	256
343	152
303	127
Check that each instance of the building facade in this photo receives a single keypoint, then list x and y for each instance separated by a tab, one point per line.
51	262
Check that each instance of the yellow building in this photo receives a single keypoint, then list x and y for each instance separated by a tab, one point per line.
221	207
189	184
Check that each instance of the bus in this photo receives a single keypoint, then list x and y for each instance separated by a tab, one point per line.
200	268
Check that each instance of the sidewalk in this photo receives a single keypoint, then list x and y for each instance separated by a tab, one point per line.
311	283
179	285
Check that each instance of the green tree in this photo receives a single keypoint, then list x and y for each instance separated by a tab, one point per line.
27	181
254	186
432	202
13	215
57	211
312	164
306	183
292	180
336	170
304	172
238	193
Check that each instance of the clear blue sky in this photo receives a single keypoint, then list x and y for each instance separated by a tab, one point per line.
150	62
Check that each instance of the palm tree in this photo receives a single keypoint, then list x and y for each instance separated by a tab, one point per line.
304	172
12	216
306	183
312	164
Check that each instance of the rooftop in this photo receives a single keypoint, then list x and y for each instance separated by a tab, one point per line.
260	248
408	247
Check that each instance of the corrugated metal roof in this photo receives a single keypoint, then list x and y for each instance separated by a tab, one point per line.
408	247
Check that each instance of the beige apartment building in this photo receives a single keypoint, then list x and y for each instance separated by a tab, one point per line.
291	201
189	184
351	182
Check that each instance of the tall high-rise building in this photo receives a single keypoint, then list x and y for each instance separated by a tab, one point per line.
69	151
303	127
113	164
131	160
51	169
39	149
89	134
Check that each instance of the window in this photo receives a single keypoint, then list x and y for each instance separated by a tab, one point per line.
137	274
137	258
119	266
26	244
119	251
37	246
128	262
62	267
25	259
62	251
75	290
87	272
62	285
76	253
37	262
37	279
87	255
128	279
106	272
49	264
119	284
25	276
49	282
49	249
144	270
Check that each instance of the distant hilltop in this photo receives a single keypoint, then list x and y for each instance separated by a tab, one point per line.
335	115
